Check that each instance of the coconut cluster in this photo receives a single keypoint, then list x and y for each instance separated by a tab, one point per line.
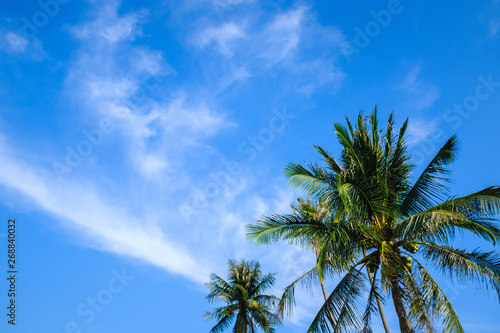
406	263
373	264
412	248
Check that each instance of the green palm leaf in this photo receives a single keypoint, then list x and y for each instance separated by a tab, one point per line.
439	225
430	187
437	302
418	306
371	306
342	305
477	266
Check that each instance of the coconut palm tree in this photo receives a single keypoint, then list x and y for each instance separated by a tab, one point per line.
379	219
243	294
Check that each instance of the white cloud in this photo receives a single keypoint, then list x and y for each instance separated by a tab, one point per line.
317	73
16	42
423	93
235	75
290	42
489	17
419	130
221	36
197	122
106	226
237	2
149	61
220	8
121	89
175	125
155	132
18	45
494	27
283	35
111	27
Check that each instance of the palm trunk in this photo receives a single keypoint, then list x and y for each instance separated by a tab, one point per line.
404	322
379	301
324	290
316	247
323	287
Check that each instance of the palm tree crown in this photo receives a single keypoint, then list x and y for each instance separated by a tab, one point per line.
378	219
243	294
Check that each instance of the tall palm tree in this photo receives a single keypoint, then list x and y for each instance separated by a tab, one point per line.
380	220
243	294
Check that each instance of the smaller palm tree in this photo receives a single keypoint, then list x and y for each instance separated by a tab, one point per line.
243	294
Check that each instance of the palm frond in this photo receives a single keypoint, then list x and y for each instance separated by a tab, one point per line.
224	316
439	224
339	248
220	290
477	266
315	181
437	301
266	282
341	304
290	227
269	301
287	300
346	141
261	317
418	307
430	186
330	161
371	306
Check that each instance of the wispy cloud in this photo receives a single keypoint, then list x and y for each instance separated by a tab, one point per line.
104	225
490	19
290	42
419	130
283	35
423	93
109	26
494	27
156	128
15	44
222	36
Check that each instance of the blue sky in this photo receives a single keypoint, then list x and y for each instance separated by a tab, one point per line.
138	138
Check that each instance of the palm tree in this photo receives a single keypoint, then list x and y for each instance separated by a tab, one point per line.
243	295
381	221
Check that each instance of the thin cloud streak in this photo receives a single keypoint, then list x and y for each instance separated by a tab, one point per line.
106	226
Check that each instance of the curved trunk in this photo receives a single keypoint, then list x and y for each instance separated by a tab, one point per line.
324	290
379	301
323	287
404	322
245	327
